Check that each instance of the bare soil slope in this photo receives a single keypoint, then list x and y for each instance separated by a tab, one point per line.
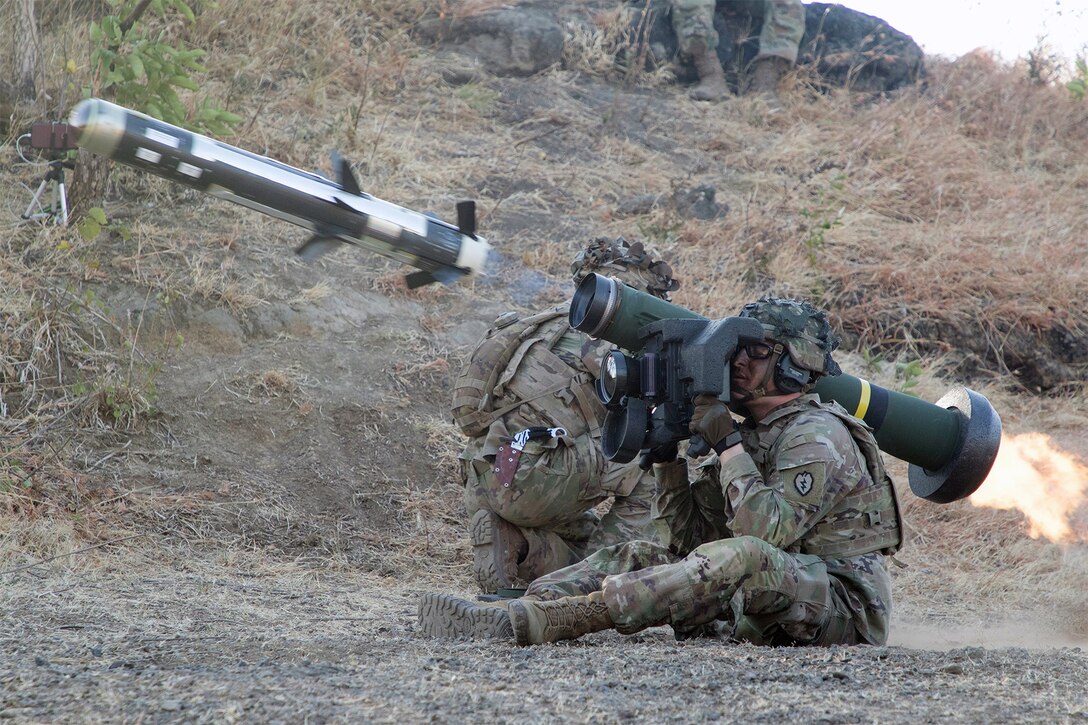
233	516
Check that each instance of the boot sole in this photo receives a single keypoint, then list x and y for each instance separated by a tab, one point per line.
448	617
519	624
487	548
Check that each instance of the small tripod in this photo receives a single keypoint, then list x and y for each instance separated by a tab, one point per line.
54	181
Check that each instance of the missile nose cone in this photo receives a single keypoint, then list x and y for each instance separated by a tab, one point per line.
81	116
98	125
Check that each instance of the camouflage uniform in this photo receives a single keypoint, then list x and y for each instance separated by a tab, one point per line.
779	541
783	544
558	481
783	24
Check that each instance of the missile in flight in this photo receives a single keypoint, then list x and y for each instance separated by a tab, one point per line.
336	212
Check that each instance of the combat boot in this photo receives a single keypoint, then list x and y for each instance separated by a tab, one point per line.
448	617
537	622
497	547
712	85
767	73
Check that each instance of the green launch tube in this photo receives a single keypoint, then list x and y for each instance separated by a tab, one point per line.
951	445
906	427
605	308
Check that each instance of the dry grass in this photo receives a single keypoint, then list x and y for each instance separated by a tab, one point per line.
929	223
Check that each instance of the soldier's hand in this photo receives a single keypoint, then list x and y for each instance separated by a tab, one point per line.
662	454
711	419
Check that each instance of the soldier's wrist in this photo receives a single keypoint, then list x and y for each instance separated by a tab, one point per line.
733	439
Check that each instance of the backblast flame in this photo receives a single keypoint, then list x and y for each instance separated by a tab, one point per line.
1048	485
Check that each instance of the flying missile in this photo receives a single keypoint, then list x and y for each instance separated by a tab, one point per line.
336	212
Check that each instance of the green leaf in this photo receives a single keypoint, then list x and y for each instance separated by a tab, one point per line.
185	82
97	213
89	229
111	28
186	11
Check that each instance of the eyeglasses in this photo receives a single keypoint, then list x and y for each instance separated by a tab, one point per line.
756	350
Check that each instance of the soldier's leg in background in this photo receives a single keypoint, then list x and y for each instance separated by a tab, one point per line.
630	518
585	577
721	579
693	21
783	28
783	25
557	547
475	494
497	545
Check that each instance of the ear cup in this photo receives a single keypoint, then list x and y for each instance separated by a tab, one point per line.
789	378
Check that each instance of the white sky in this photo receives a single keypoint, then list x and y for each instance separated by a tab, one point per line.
1010	28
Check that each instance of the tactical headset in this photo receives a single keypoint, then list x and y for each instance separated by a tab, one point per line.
789	378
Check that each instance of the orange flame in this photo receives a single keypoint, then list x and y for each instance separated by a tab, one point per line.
1048	485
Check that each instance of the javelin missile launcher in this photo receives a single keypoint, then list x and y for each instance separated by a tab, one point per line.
950	445
336	212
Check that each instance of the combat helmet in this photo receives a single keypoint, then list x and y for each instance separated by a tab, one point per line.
803	331
628	262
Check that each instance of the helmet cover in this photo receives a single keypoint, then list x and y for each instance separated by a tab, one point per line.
801	328
629	262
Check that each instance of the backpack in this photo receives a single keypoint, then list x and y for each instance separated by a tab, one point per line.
481	381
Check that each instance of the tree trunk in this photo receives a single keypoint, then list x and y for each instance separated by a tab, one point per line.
89	181
28	51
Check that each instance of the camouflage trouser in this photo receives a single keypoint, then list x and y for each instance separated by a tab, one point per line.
783	24
742	588
552	497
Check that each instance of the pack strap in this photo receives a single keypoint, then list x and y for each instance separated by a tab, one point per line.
585	396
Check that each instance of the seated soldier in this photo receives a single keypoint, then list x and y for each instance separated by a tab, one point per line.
533	469
781	542
779	39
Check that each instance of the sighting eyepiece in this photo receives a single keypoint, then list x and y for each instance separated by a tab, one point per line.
625	430
620	377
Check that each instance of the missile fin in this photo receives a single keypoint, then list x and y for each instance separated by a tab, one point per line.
419	279
344	175
317	245
422	278
466	218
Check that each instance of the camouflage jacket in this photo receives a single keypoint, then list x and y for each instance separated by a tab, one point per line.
811	482
804	485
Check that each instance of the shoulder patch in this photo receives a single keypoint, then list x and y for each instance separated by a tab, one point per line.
806	483
803	483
